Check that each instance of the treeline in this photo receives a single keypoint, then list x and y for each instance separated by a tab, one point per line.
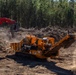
40	13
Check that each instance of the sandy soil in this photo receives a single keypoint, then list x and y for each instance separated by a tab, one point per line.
20	65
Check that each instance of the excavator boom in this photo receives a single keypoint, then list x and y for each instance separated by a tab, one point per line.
6	20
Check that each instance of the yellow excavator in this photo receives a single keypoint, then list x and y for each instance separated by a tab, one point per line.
42	47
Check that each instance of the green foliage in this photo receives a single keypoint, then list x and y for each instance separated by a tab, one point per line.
40	13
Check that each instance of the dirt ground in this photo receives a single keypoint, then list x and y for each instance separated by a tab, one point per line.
20	65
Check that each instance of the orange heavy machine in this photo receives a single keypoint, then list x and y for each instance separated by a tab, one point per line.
42	47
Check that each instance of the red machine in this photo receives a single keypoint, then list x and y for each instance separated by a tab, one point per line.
14	26
6	20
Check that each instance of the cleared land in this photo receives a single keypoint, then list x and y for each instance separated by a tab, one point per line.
13	65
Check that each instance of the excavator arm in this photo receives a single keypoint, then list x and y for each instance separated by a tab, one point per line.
13	25
6	20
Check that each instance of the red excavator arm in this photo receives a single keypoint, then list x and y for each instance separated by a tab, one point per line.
6	20
14	26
